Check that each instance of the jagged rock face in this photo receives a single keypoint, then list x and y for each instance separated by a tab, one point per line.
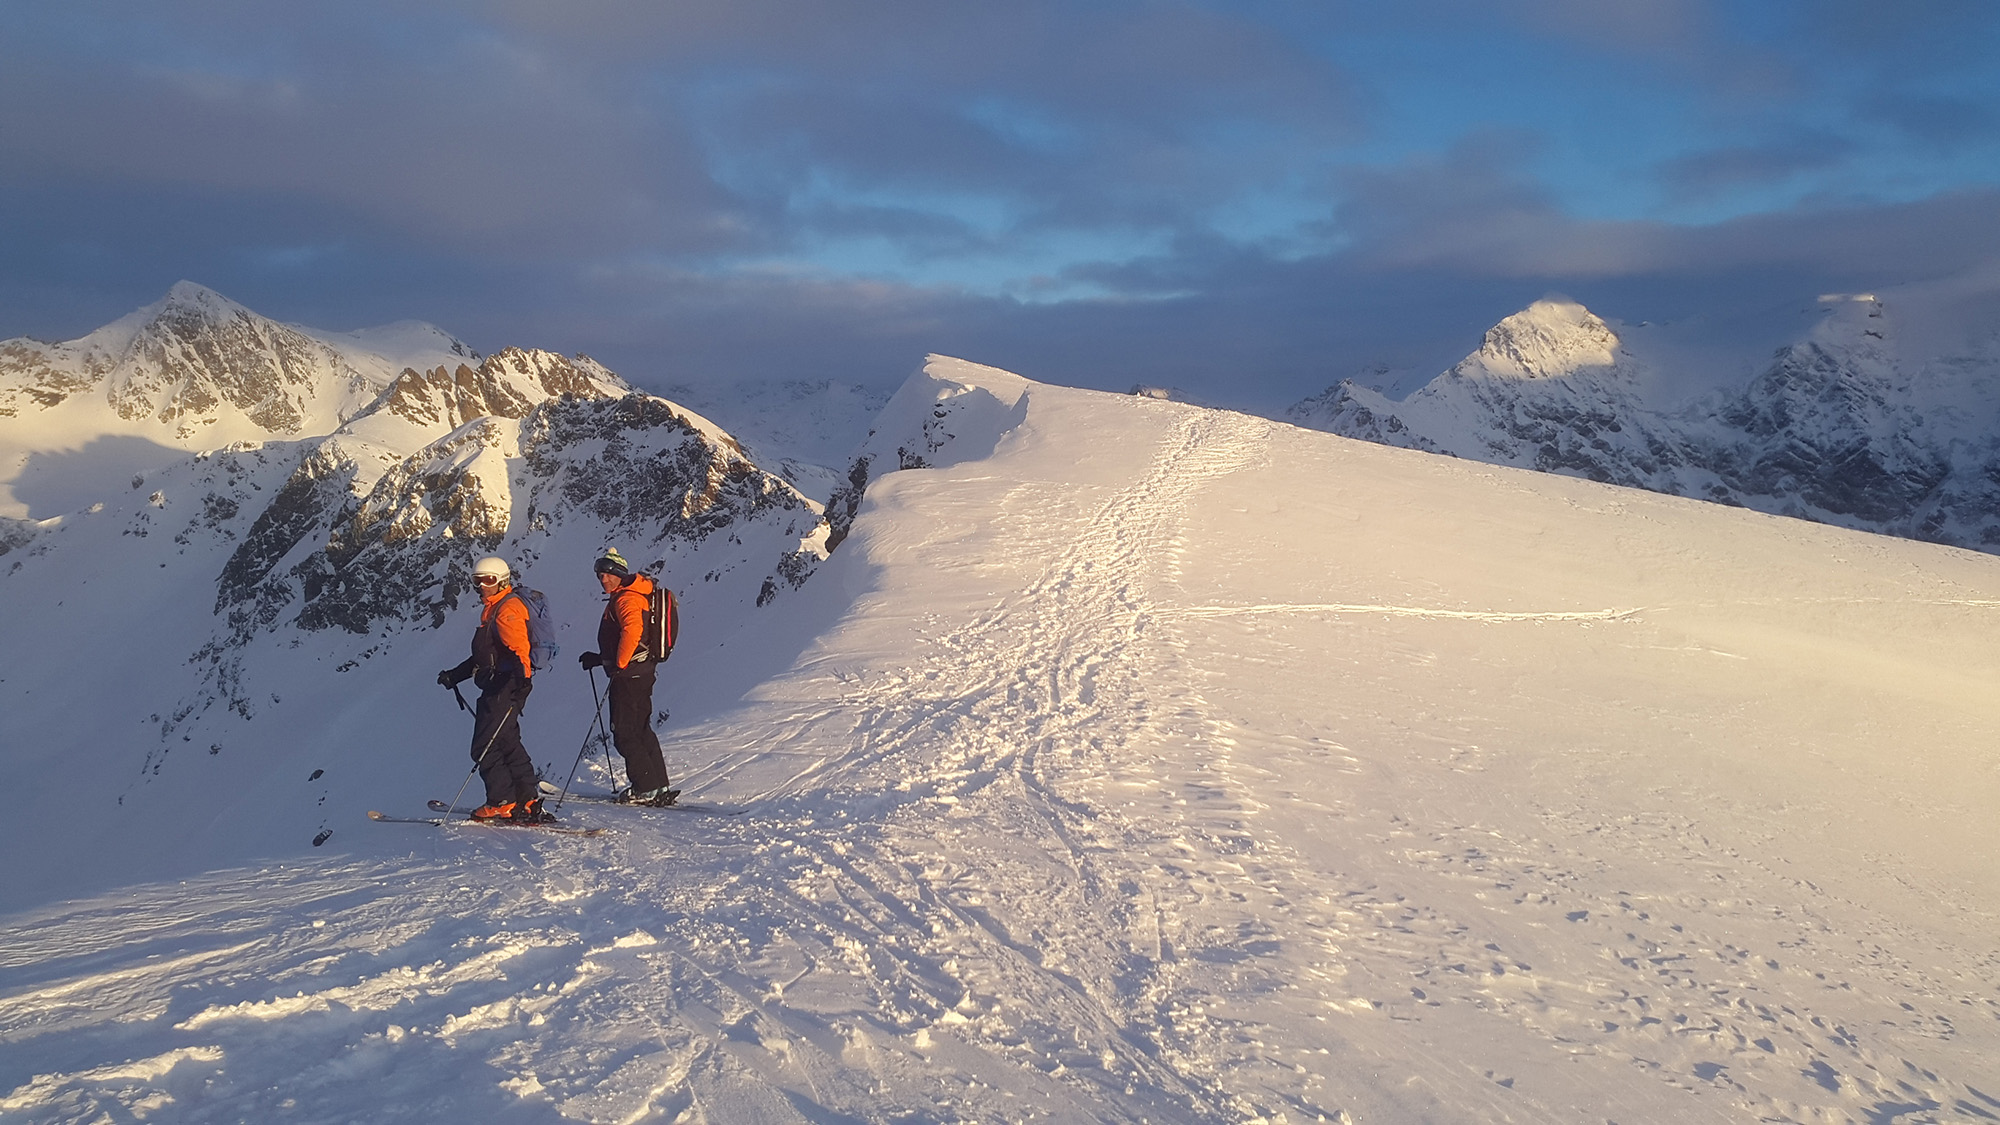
192	358
641	468
1831	430
633	469
506	385
16	534
181	361
311	501
390	558
36	376
1824	424
1351	410
656	477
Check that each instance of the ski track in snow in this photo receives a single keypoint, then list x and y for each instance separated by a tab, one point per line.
1165	951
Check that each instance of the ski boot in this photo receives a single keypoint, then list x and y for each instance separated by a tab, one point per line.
532	812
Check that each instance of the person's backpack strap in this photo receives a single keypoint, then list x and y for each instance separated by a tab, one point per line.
668	626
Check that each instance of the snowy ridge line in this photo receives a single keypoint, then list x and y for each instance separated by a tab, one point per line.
1407	611
1017	706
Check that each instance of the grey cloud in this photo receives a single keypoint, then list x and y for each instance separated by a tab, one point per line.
1939	123
1249	329
1702	175
456	150
1476	211
1924	37
686	129
1633	25
1260	332
1473	207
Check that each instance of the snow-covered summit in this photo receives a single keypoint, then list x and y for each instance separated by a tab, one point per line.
1839	425
196	366
1553	338
404	344
197	371
1551	387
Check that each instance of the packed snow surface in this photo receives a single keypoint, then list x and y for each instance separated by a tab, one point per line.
1130	761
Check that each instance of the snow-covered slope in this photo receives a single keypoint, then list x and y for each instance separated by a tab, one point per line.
1841	427
1129	761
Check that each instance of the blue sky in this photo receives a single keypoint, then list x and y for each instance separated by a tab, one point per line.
1248	199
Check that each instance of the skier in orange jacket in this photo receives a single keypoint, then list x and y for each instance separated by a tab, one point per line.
500	665
630	668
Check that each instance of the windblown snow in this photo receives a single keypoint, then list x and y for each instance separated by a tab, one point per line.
1129	761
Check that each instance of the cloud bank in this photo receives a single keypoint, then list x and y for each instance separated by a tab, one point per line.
1247	199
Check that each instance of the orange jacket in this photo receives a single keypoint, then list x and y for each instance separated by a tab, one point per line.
507	619
624	623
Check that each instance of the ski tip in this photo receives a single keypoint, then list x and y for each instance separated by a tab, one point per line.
374	814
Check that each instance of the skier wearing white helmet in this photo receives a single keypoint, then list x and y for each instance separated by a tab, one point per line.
501	666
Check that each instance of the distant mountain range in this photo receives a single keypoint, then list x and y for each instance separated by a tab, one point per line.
253	606
1839	427
196	366
309	498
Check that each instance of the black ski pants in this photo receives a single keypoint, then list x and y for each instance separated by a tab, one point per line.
632	727
496	740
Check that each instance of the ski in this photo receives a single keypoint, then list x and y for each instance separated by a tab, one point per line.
443	822
678	806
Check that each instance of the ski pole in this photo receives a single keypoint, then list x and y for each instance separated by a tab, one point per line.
603	735
481	759
578	764
462	705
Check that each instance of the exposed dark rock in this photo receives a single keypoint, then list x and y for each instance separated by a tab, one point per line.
303	511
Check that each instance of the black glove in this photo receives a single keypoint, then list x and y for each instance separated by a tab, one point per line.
452	677
590	660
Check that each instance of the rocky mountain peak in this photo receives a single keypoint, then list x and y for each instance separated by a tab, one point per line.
1550	339
199	352
1835	427
506	384
187	300
207	368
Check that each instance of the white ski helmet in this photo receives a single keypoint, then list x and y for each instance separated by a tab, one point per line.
493	565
